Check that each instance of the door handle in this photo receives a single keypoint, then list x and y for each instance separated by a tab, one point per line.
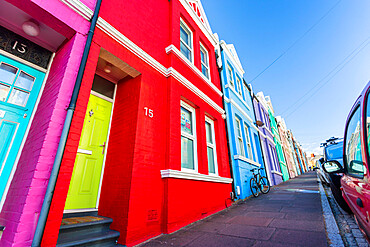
103	147
359	203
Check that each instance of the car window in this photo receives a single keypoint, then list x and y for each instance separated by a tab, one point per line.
354	163
368	122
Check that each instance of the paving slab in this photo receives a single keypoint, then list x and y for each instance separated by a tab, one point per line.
214	240
250	221
299	238
316	226
251	232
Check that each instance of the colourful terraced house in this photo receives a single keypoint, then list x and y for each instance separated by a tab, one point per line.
244	143
273	170
275	132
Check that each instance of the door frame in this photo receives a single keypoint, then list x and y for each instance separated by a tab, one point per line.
46	71
105	151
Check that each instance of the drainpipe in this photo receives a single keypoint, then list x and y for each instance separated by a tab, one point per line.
63	138
218	56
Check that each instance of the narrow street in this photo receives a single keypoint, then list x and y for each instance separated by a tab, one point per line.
289	215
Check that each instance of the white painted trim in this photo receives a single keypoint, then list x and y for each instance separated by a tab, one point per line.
270	132
174	50
231	57
213	146
203	28
18	59
99	95
194	176
239	157
26	133
192	137
203	49
194	89
79	8
267	137
190	33
278	173
106	146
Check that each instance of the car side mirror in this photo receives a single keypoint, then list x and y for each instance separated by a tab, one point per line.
332	166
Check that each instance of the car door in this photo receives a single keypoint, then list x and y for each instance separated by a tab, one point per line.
354	182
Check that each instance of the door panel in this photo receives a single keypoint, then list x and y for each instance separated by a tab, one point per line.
84	187
19	89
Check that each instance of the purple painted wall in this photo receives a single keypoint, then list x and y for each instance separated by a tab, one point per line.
268	146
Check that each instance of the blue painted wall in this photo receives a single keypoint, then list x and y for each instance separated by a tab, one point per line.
238	105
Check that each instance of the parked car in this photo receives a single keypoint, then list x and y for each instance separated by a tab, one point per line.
320	172
356	179
333	150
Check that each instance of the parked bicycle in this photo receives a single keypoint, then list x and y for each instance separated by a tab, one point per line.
259	183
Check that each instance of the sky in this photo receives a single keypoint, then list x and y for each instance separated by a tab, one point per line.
324	61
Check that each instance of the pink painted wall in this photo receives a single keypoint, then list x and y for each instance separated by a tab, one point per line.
26	193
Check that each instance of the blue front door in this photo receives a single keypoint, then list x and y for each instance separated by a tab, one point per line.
19	88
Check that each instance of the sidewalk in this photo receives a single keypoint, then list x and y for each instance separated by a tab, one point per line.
289	215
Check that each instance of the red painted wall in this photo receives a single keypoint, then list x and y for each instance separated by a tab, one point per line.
141	203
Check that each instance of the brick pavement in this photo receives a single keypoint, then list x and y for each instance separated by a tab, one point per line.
289	215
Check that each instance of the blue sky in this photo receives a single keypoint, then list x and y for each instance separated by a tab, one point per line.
262	30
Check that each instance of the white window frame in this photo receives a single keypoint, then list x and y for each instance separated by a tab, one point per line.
192	137
239	137
213	146
205	64
230	75
239	86
248	142
188	31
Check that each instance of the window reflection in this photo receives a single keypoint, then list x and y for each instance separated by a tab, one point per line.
7	73
18	97
25	81
4	90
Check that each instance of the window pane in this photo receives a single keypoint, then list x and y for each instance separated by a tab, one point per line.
185	36
209	133
187	153
241	147
202	56
186	121
368	121
4	90
355	166
18	97
7	73
185	51
205	70
25	81
211	160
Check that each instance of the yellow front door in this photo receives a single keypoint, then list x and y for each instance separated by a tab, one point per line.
84	186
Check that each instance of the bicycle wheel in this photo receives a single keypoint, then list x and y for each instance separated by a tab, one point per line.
265	185
254	187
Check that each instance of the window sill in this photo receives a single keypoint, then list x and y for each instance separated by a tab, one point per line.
252	162
194	176
276	172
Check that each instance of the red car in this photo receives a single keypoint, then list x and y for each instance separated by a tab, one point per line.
356	179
